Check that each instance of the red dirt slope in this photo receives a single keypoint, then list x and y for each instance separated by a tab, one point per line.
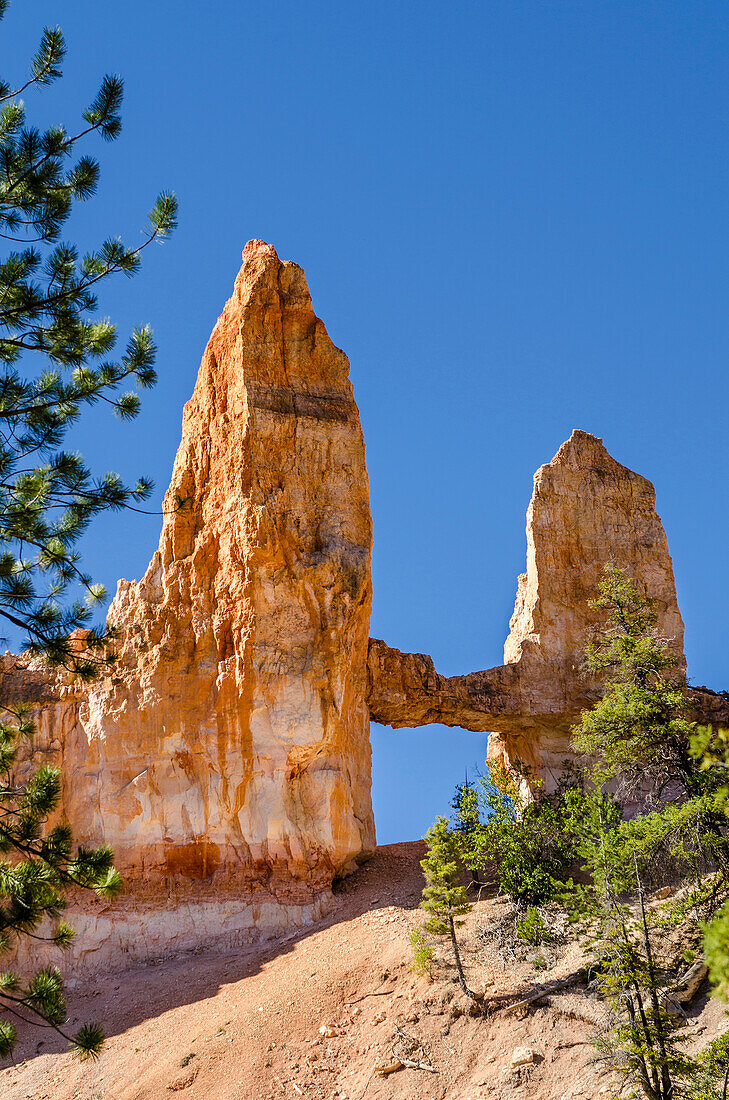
247	1026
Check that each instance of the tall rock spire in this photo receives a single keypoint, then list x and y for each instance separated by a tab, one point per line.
587	510
233	738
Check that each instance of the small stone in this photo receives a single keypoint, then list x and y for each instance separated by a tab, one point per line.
522	1056
327	1031
690	982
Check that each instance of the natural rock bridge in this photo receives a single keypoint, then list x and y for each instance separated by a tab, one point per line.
229	753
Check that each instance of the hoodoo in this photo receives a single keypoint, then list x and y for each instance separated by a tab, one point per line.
232	739
227	759
586	510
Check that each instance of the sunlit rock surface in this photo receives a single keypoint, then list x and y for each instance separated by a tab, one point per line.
586	510
232	740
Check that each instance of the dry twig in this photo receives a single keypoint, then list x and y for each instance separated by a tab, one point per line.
545	991
377	993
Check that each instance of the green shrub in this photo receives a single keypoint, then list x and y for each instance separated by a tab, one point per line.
530	842
531	928
423	952
710	1072
716	1056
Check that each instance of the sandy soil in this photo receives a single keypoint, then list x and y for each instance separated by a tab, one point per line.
248	1025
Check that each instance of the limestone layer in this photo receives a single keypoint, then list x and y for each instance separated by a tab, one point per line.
232	740
586	510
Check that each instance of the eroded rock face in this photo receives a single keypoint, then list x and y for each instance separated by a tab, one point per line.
586	510
232	740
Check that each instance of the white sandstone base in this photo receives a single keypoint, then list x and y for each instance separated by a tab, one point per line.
115	938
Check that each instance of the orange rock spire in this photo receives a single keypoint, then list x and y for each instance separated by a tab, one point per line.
586	510
234	735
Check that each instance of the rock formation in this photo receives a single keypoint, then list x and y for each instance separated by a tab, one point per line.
227	758
586	510
231	742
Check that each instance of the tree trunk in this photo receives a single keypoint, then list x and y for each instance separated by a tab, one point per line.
658	1020
459	966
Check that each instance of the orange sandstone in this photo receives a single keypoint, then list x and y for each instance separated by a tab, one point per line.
233	737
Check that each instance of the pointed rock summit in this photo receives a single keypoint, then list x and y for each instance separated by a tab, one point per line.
587	510
233	737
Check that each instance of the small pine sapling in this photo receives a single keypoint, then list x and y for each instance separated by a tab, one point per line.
422	952
444	896
467	823
640	729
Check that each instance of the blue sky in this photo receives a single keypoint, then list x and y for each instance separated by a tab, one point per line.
513	218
